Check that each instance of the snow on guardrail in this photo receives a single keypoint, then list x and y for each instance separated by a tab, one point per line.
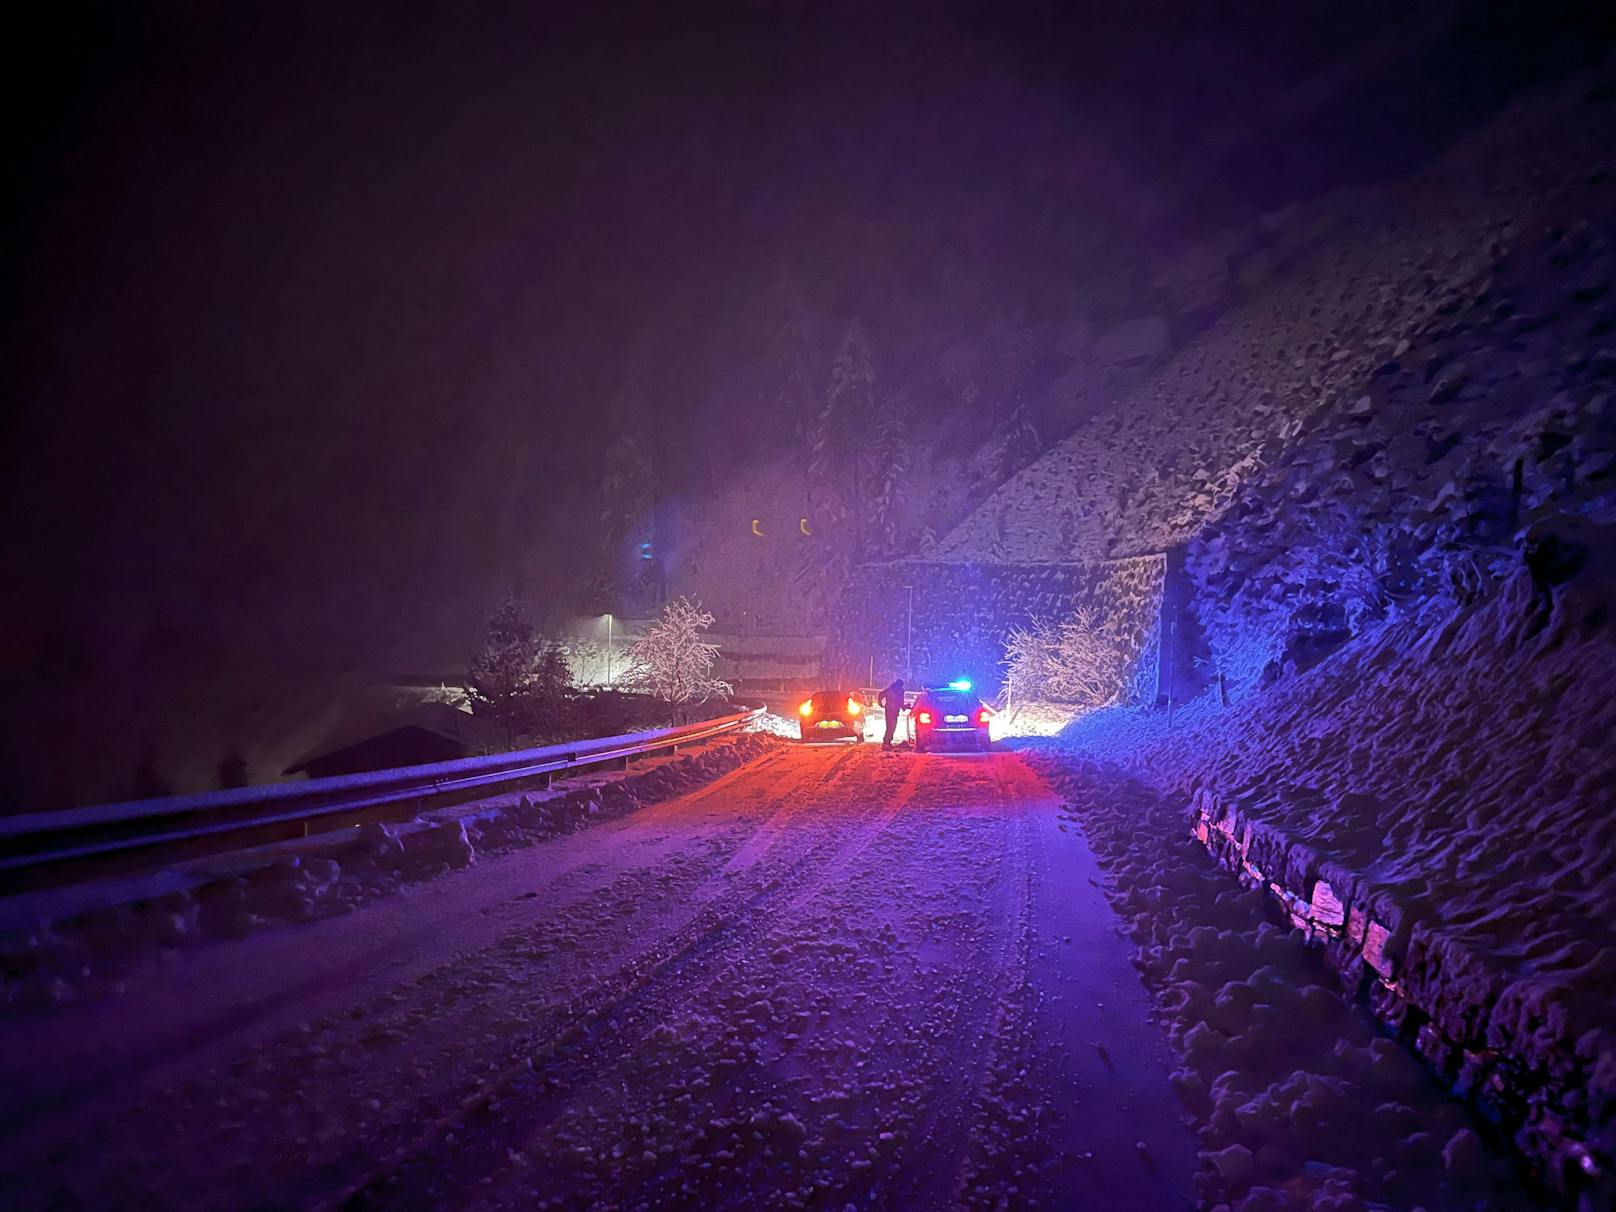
38	838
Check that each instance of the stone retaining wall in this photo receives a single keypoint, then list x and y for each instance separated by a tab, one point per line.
1501	1045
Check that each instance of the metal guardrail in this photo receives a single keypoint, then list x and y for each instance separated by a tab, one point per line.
55	847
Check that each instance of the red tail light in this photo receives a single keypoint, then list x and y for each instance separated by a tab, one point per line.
982	716
923	717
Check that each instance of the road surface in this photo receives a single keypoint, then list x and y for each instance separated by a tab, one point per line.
832	978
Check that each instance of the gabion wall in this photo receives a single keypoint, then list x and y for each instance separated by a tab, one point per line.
962	613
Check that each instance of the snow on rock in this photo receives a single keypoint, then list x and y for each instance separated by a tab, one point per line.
66	945
1370	427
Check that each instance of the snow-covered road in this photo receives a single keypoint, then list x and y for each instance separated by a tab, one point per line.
830	978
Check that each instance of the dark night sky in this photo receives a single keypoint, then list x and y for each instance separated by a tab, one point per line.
317	307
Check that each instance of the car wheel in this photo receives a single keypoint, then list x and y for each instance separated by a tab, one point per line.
986	743
920	745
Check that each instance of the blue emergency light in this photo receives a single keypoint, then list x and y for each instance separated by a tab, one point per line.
960	684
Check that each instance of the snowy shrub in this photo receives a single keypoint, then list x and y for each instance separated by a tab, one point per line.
1371	567
1079	661
673	662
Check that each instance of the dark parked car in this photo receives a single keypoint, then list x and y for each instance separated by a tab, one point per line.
831	714
951	717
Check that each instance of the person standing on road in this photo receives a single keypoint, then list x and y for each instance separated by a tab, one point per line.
892	699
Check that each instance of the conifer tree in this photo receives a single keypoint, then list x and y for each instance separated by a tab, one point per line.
1012	344
889	464
998	540
551	692
852	375
499	679
791	360
835	468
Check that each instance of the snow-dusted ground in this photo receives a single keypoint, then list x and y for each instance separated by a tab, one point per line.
830	978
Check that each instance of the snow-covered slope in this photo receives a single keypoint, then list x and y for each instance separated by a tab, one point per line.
1450	775
1402	263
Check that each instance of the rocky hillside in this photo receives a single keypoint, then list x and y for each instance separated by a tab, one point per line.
1348	439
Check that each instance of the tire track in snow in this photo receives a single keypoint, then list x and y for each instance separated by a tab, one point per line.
652	982
656	1006
490	978
862	837
951	1163
839	1016
720	907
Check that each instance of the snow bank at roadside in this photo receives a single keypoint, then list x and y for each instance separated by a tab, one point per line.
65	945
1462	768
1449	780
772	723
1300	1102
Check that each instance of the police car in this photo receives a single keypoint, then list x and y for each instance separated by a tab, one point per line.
950	716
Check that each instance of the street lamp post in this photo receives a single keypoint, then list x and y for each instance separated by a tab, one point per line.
608	651
909	641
